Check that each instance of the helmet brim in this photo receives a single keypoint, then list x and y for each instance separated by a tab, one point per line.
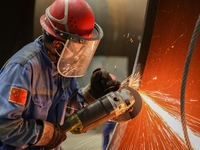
97	32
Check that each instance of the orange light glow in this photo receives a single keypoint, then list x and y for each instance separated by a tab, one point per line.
157	127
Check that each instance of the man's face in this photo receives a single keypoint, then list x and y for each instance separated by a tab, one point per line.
75	57
72	50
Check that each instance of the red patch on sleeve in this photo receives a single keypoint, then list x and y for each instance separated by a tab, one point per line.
18	95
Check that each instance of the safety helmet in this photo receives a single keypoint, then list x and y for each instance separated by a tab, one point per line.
73	22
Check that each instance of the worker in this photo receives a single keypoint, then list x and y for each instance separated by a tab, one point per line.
38	83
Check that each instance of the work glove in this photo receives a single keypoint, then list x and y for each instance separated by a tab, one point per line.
52	135
101	83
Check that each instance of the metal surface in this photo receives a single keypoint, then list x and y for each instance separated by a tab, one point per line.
184	81
158	126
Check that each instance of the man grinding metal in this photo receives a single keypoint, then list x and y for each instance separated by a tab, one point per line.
39	81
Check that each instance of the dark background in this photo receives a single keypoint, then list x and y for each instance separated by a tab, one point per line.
16	26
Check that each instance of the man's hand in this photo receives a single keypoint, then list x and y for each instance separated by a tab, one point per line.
101	83
52	135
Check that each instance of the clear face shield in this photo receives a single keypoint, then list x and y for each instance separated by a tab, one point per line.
77	54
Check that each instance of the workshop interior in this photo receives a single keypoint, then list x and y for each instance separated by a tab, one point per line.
153	48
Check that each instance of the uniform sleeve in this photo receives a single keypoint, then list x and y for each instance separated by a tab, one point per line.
76	100
15	85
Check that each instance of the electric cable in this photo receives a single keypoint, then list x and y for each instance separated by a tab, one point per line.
184	79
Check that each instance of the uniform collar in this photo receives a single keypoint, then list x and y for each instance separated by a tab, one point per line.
44	52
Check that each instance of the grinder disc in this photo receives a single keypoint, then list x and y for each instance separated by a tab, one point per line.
137	106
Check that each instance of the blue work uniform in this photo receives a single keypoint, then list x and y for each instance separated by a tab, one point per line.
108	128
30	89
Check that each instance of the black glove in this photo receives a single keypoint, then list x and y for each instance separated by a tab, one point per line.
102	83
52	135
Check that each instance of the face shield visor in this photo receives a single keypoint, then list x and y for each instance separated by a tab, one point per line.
77	53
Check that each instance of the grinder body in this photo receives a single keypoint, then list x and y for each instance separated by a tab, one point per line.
110	106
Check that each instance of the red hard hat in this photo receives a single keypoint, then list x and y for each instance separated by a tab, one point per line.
68	16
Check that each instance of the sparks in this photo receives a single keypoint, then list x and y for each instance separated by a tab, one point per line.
158	126
173	123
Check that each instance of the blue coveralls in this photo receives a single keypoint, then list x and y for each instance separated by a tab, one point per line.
48	95
109	127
